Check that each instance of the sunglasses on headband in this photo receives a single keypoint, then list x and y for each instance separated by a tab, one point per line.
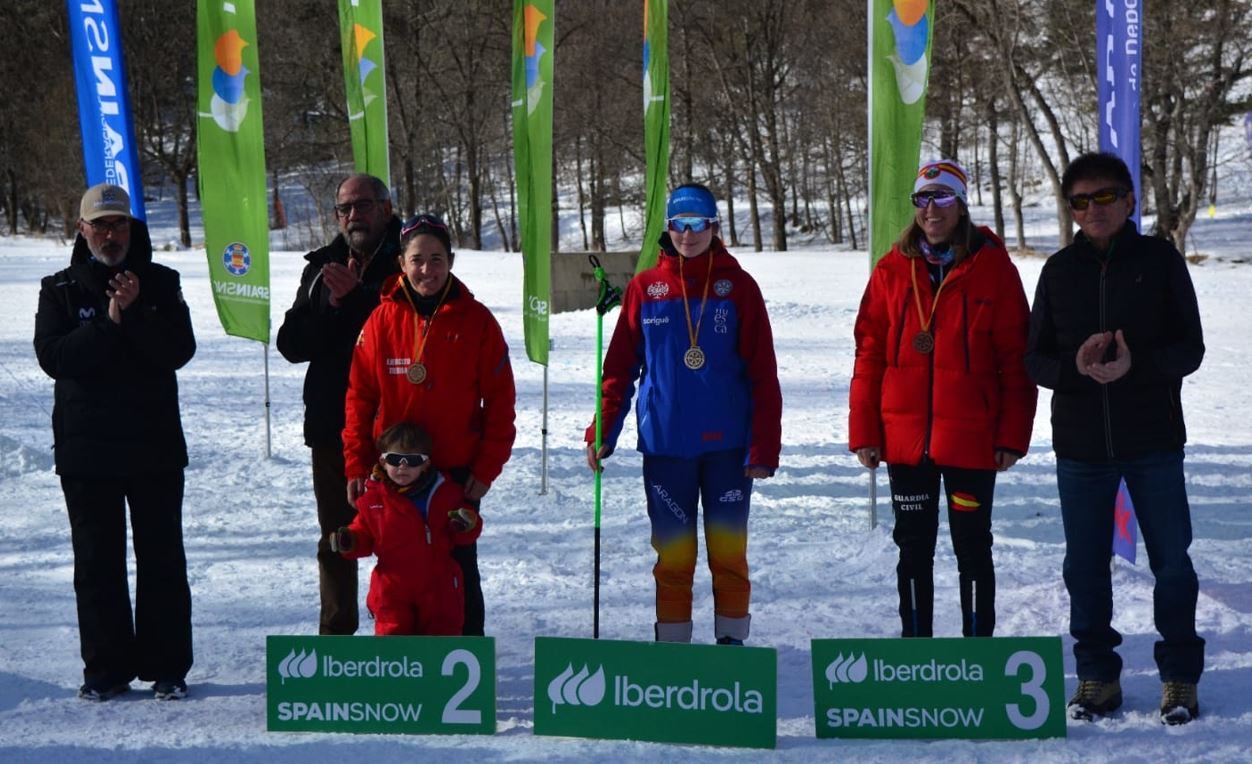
425	220
941	198
693	224
1104	197
398	459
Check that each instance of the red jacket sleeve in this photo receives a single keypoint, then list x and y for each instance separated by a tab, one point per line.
361	403
756	347
1018	394
621	370
362	527
865	427
499	397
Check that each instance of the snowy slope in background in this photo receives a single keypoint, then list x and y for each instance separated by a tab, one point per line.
817	570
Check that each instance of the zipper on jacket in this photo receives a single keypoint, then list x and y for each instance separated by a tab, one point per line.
904	317
965	327
428	535
1104	388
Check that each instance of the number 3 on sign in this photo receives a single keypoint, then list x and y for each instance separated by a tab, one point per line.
452	712
1031	688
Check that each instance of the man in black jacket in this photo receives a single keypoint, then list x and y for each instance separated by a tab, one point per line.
1114	328
112	329
338	290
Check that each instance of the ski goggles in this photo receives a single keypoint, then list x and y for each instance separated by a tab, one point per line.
423	222
942	199
1104	197
398	459
686	223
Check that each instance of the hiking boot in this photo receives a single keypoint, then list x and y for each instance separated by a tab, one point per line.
169	689
101	692
729	641
1179	703
1094	698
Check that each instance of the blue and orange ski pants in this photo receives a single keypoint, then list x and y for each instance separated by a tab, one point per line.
676	488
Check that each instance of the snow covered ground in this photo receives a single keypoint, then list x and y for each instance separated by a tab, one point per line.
817	569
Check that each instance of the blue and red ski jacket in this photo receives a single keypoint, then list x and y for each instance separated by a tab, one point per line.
732	401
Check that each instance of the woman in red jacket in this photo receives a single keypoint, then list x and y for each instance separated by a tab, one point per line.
940	391
432	355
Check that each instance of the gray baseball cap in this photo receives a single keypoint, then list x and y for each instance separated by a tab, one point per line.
103	200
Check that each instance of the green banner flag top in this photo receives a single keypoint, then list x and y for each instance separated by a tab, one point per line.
361	41
900	33
231	155
655	124
533	22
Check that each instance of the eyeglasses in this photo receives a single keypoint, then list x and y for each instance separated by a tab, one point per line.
1104	197
362	207
398	459
102	227
942	199
693	224
424	220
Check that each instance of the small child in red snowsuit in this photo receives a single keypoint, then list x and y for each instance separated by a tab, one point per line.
410	517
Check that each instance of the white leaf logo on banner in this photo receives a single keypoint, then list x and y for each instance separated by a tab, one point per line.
843	670
301	666
581	689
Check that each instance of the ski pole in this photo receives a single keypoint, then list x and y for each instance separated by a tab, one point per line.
973	608
873	498
913	597
607	298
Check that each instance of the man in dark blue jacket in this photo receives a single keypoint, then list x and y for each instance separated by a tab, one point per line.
1114	328
112	329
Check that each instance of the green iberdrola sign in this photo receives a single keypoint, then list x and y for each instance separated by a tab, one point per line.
662	692
413	685
1004	687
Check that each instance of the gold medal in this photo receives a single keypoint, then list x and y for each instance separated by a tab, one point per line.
923	342
416	373
694	357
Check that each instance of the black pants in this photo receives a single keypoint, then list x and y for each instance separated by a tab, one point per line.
156	644
915	504
337	576
467	558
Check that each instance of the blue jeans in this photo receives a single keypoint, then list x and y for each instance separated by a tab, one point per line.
1088	491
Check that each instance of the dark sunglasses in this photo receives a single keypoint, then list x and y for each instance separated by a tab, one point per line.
695	225
942	199
397	459
1104	197
425	220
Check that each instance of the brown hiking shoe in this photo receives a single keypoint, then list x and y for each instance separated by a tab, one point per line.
1179	703
1094	698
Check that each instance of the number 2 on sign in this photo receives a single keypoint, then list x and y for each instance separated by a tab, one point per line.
452	712
1032	688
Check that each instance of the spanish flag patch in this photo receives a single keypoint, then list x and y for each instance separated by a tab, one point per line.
963	502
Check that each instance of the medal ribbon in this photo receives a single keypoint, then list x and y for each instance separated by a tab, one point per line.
421	329
917	297
694	333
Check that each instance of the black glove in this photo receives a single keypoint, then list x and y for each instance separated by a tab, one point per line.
342	540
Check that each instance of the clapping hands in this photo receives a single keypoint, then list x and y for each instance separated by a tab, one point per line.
1089	358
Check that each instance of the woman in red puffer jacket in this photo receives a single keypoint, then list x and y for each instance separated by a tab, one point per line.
940	391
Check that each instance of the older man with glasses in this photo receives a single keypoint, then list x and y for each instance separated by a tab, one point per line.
112	330
339	288
1114	328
